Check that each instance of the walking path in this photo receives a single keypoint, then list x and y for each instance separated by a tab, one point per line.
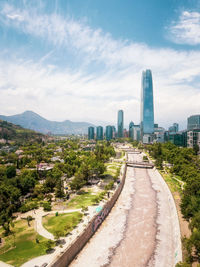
3	264
38	261
38	221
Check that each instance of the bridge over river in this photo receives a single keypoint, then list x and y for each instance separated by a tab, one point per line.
141	230
139	164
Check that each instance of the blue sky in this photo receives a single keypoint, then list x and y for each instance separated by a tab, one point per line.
82	59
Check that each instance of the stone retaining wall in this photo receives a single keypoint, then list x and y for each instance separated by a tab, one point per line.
70	253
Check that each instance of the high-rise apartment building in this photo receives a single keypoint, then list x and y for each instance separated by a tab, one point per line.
109	132
120	124
99	135
90	133
193	122
193	138
147	107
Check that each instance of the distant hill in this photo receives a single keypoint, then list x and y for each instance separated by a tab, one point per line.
33	121
12	132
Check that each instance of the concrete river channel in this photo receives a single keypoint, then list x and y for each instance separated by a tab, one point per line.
142	229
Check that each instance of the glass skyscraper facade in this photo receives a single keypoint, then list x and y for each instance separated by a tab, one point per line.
109	132
90	133
174	128
193	122
120	124
147	107
131	126
99	133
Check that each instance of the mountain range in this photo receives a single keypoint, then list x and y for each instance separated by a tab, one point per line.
33	121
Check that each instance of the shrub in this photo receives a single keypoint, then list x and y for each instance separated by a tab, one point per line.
29	206
145	158
109	186
47	206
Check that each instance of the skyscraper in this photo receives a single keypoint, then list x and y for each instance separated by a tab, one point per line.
174	128
147	108
109	133
193	122
99	133
90	133
120	123
131	125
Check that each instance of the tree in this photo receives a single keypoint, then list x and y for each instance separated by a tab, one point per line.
56	173
11	171
196	149
78	181
29	219
49	184
47	206
9	198
26	183
48	244
58	234
158	163
59	191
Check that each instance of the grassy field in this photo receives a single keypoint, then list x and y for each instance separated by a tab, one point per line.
111	168
22	246
173	184
64	223
84	200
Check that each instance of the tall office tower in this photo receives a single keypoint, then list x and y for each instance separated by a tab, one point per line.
109	133
193	122
99	133
114	132
90	133
120	124
174	128
131	125
147	109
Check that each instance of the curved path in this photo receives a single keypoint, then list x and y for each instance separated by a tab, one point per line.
141	230
38	221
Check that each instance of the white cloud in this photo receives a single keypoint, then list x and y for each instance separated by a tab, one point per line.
187	29
65	94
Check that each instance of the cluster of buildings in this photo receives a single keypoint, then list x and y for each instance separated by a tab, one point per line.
147	131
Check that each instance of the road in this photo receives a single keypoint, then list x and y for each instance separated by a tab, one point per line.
142	228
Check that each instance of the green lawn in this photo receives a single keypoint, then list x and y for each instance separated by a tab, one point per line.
173	184
111	168
22	246
64	222
84	200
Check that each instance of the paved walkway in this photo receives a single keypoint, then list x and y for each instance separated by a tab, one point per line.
38	261
39	214
3	264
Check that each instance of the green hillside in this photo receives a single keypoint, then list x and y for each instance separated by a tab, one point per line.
12	132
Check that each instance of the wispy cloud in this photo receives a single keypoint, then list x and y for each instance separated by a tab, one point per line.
60	93
187	29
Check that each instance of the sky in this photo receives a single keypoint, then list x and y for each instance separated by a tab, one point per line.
82	60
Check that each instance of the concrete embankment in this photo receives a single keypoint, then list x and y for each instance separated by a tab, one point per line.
75	247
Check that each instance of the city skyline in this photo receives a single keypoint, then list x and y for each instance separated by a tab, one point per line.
60	55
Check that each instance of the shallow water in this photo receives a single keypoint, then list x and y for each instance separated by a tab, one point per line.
139	242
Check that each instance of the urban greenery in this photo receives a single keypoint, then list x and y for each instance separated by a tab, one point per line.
184	164
20	246
62	224
43	171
